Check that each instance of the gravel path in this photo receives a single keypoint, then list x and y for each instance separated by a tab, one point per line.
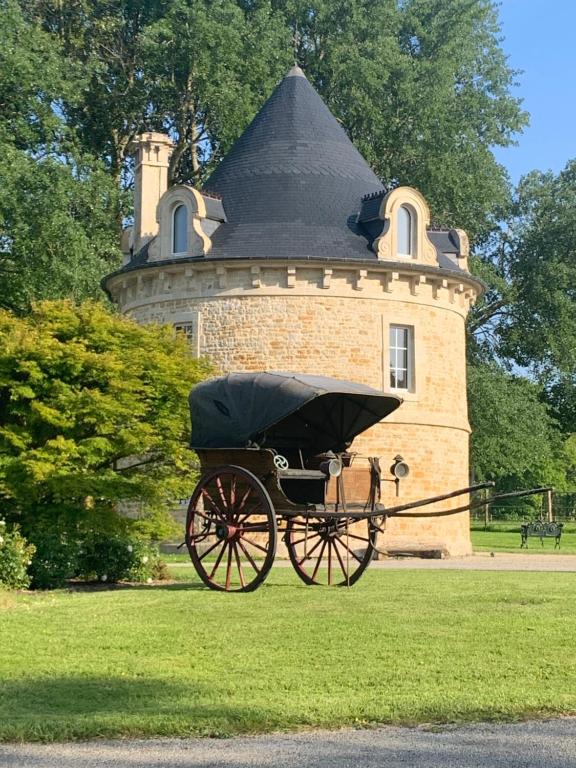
477	562
542	744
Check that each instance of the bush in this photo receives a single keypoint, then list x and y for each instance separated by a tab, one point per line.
55	561
15	558
120	558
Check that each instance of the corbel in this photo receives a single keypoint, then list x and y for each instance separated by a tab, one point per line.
415	283
291	277
326	277
221	277
256	282
360	279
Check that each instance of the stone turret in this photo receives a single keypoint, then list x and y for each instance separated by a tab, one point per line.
295	256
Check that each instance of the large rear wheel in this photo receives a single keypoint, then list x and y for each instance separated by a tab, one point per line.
330	550
231	530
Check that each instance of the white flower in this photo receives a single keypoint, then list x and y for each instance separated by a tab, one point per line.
1	540
29	562
145	559
104	577
130	548
148	580
2	522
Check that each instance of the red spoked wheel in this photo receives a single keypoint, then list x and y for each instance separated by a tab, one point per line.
231	530
329	550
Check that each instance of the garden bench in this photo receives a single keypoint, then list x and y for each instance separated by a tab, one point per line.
541	530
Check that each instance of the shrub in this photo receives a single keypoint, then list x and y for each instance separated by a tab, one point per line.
55	561
15	557
120	558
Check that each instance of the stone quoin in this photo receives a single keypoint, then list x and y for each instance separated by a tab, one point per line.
295	256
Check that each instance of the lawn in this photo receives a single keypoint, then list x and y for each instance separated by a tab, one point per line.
506	538
177	659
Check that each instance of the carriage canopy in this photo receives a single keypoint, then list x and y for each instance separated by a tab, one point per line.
285	411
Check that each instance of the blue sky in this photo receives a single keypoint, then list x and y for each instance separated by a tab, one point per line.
540	38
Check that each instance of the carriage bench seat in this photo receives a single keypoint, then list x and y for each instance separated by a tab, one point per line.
302	474
541	530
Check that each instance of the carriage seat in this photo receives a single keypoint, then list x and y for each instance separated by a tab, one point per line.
303	486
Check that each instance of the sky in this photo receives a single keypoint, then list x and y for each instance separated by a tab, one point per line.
540	39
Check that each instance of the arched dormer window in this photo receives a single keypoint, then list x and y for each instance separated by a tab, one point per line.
406	231
180	230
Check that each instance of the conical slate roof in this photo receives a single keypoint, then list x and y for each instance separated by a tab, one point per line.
292	184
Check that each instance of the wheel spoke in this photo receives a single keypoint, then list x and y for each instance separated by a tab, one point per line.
253	543
223	496
239	564
229	566
248	556
342	566
329	563
218	561
347	548
242	503
317	566
212	503
210	549
309	553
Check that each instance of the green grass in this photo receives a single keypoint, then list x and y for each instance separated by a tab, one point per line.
506	538
176	659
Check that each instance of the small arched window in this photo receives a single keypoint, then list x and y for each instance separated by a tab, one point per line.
180	230
405	224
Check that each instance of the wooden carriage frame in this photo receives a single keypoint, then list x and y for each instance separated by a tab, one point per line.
325	504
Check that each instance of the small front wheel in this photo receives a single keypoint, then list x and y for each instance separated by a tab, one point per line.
333	551
231	530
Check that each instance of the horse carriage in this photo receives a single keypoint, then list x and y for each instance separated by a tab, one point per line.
275	458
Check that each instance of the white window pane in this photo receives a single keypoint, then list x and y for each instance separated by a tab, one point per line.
180	232
404	223
401	357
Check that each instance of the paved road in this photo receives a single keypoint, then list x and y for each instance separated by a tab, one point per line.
544	744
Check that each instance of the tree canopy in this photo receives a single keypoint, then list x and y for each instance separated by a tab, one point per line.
59	209
93	411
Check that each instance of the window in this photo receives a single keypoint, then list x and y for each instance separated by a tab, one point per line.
180	230
187	330
401	357
405	226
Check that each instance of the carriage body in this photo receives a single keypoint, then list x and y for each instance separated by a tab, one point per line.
275	457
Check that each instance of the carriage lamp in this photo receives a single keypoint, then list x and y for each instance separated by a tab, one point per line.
400	469
331	467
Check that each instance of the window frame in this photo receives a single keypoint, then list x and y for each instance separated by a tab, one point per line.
412	223
410	357
175	210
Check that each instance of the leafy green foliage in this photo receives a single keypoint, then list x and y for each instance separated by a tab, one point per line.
515	440
422	86
15	558
120	558
59	210
93	411
56	558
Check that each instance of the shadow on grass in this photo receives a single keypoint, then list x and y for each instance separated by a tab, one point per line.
82	707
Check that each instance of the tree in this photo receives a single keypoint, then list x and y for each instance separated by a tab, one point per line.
59	210
424	90
421	86
93	412
197	68
515	440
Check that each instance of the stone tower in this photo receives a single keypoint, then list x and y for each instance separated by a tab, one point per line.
294	256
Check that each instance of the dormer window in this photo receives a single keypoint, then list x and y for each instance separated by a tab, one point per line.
406	231
180	230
